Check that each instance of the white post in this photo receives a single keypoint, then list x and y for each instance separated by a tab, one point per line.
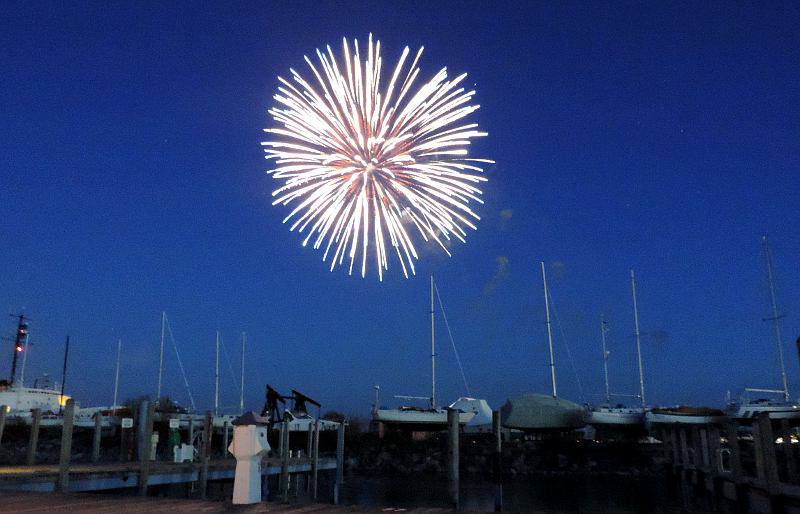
549	331
638	342
161	356
216	381
116	375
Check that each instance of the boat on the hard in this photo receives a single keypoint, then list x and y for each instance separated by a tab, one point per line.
775	402
533	412
685	415
424	413
620	416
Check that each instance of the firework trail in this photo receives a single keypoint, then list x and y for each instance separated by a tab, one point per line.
364	167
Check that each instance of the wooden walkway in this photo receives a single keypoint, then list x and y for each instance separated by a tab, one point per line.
53	503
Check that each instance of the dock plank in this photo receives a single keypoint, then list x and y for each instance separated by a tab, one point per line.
90	503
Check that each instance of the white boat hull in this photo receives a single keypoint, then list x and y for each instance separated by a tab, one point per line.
616	417
683	419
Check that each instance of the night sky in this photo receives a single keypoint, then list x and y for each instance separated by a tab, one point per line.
660	138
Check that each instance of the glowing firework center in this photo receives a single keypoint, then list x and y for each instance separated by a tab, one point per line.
364	168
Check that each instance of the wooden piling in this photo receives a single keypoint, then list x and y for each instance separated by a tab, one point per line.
98	429
208	427
284	480
36	420
148	409
315	461
66	446
3	411
498	462
705	460
676	448
309	440
732	432
685	461
225	436
766	461
452	456
337	486
792	471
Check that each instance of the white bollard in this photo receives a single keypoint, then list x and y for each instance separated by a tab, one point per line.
248	446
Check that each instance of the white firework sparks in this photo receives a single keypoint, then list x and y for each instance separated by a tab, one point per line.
365	167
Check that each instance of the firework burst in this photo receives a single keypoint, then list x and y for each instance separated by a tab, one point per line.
365	166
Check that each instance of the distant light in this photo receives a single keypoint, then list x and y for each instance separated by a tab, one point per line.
19	348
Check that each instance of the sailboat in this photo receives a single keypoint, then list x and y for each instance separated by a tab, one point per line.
682	414
432	416
534	412
776	402
619	416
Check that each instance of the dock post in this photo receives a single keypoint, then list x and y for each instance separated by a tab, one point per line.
309	440
792	473
284	482
66	446
766	460
498	462
676	449
704	457
36	419
315	461
684	448
337	486
208	427
712	442
191	432
3	410
144	457
98	428
225	436
452	456
732	432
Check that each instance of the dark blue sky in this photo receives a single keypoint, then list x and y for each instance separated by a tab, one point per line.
663	138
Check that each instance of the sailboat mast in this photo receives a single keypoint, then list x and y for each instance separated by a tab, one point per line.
116	374
216	381
241	381
161	356
433	353
63	376
24	361
549	332
775	317
638	340
603	328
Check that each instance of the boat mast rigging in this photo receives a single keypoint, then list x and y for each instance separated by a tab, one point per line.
638	341
216	380
161	356
433	352
775	316
603	330
549	331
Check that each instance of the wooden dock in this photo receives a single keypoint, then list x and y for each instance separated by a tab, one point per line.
755	466
34	503
97	477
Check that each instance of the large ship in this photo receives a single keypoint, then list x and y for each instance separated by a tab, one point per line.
19	400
